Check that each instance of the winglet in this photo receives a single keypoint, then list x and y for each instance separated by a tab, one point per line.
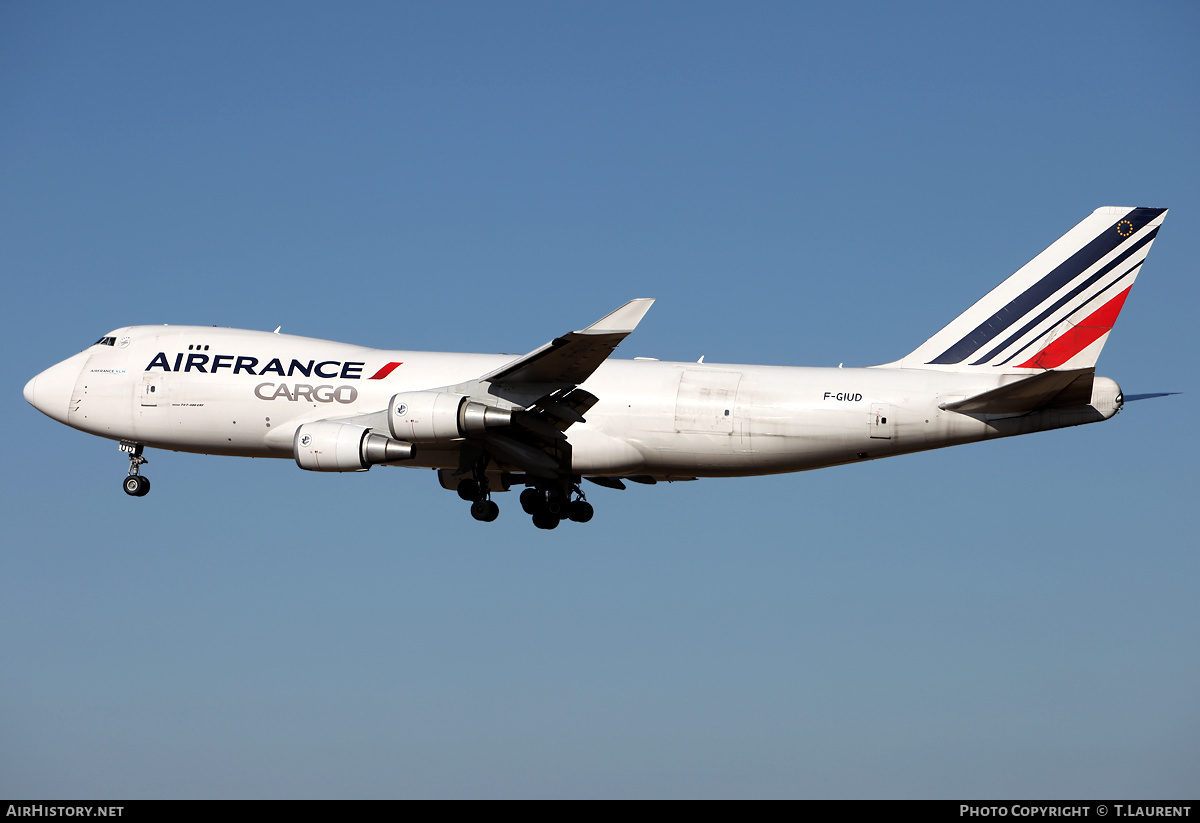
622	321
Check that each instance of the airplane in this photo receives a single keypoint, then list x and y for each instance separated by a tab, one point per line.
1020	360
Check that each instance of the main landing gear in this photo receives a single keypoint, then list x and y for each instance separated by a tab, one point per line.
135	485
549	503
549	506
483	508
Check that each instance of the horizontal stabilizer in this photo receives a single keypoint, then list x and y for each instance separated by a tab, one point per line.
1046	390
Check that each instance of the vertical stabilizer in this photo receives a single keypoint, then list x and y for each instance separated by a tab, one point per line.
1057	310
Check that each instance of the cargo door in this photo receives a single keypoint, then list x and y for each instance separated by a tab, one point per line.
705	402
881	423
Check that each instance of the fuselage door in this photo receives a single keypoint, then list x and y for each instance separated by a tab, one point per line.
881	422
152	386
705	402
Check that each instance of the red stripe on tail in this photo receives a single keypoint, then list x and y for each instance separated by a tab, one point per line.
1078	338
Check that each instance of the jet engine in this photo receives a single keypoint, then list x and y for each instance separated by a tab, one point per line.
341	447
437	416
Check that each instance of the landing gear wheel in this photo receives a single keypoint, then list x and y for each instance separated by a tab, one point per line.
136	486
552	505
531	500
580	511
468	489
545	520
485	510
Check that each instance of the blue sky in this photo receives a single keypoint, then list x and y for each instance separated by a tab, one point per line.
797	185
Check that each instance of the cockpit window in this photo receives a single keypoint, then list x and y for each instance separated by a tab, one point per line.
106	341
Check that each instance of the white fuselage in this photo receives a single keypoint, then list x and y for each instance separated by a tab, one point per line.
234	392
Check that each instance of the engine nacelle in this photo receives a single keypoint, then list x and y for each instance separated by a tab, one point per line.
437	416
342	447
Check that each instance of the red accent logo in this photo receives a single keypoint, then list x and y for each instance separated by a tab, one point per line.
385	371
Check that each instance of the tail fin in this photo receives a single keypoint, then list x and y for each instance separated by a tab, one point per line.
1057	310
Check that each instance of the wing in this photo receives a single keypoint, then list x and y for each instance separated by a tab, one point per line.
514	417
545	383
567	361
543	390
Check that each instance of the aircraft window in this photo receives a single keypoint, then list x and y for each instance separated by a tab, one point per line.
106	341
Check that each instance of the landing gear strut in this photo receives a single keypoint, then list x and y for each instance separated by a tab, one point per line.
135	485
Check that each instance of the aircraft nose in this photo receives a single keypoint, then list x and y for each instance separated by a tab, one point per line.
50	392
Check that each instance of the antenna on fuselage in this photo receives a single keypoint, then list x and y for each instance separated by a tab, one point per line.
277	328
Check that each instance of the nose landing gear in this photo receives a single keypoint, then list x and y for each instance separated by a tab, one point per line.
135	485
